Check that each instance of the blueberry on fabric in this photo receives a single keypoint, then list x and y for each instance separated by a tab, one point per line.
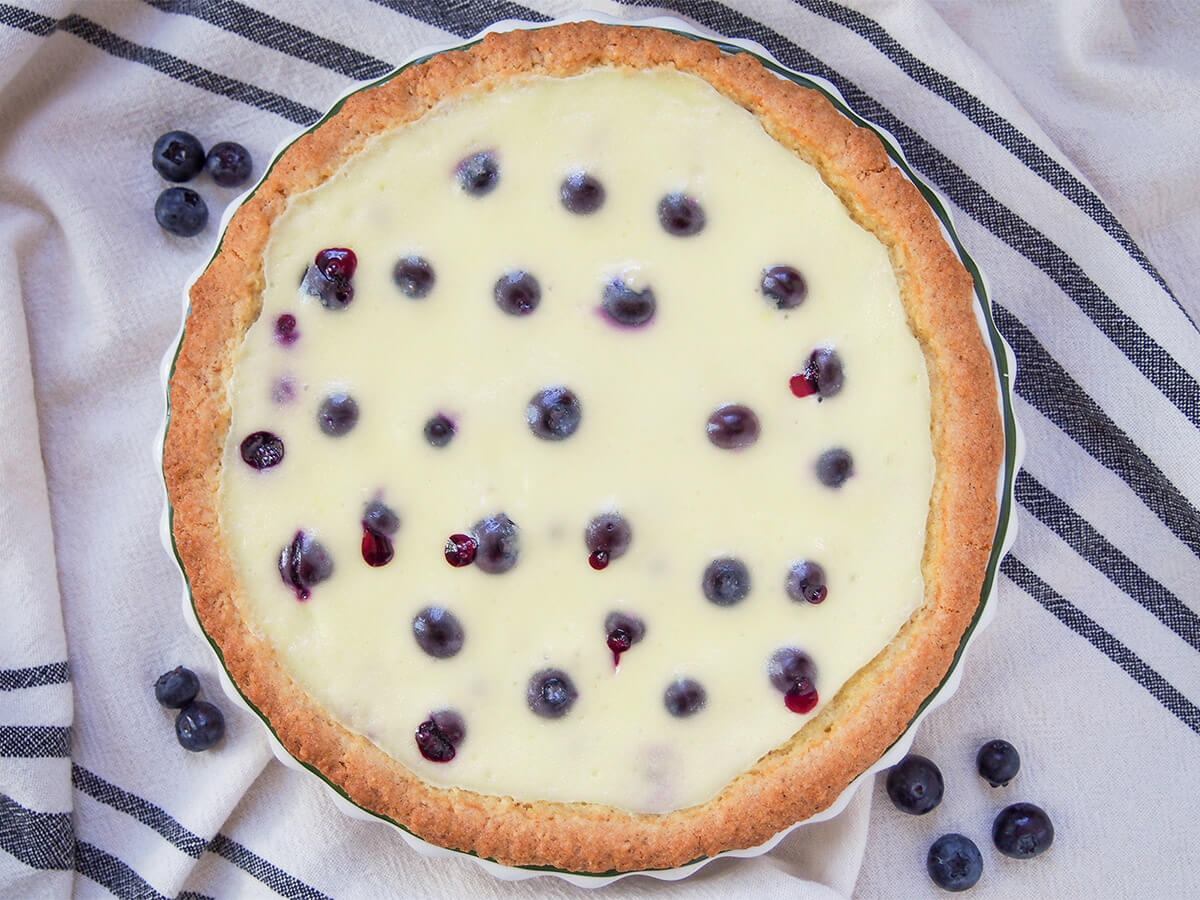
438	736
733	427
303	564
998	762
199	726
337	414
915	785
726	581
438	632
806	581
784	287
517	293
228	164
954	862
439	431
414	276
551	693
181	211
177	688
627	307
479	173
834	467
684	697
497	544
177	156
1022	831
581	193
680	215
262	450
553	413
622	631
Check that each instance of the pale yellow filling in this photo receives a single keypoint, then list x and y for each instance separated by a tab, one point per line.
641	448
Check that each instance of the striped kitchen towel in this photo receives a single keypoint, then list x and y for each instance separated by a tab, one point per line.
1047	126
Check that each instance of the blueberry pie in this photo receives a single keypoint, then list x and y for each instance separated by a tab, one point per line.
583	451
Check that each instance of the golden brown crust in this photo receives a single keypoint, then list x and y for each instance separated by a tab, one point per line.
797	779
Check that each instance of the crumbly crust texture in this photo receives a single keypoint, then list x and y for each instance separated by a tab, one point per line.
794	781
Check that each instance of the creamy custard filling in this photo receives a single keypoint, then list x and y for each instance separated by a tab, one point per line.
641	447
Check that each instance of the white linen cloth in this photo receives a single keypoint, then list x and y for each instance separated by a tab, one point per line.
1062	133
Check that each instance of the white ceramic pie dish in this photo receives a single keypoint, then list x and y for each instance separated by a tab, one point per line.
1004	365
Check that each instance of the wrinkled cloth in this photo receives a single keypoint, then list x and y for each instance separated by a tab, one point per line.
1060	135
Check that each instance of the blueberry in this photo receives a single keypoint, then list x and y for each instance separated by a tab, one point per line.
790	667
380	518
479	174
1022	831
834	467
334	294
732	427
622	631
336	263
439	735
726	581
285	330
806	581
438	632
553	414
181	211
824	370
784	286
228	164
551	693
338	414
177	156
915	785
199	725
680	215
517	293
610	533
439	431
625	306
303	564
954	862
460	550
177	688
377	549
262	450
414	276
998	762
684	697
581	193
496	544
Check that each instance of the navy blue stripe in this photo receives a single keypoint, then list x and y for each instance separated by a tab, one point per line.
110	872
1118	568
39	840
34	676
272	876
1075	619
994	125
1156	364
144	811
193	845
172	66
35	741
1047	387
463	18
276	34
